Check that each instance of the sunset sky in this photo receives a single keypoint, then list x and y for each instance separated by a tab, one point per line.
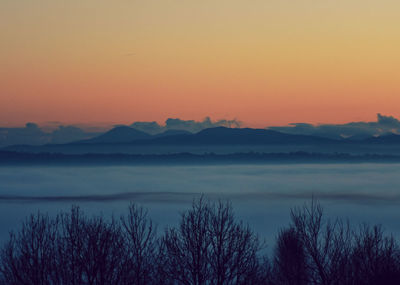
264	62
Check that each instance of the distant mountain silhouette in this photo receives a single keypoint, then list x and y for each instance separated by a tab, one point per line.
125	134
122	134
235	136
127	140
357	138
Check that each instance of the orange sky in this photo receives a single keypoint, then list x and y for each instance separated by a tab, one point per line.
262	62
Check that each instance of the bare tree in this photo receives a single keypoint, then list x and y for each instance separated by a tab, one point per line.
233	249
27	258
142	247
187	246
327	244
102	253
70	245
88	250
211	247
375	258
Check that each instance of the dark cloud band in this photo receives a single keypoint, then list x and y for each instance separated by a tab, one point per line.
357	198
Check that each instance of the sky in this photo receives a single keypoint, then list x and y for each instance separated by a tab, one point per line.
263	62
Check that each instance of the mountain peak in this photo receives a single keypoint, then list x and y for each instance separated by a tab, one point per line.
119	134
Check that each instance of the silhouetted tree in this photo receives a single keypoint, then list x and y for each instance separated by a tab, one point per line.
210	247
290	261
70	247
375	258
187	246
142	247
27	258
233	248
91	250
327	244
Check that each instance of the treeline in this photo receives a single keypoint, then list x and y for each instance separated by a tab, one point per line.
208	246
43	158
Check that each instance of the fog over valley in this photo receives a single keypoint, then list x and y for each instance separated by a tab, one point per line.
262	194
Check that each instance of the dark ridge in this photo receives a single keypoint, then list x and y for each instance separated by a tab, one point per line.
172	133
386	139
236	136
21	158
121	134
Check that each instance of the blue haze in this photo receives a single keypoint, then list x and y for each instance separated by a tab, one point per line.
262	195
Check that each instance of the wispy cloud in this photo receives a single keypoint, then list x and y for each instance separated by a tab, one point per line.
383	125
186	125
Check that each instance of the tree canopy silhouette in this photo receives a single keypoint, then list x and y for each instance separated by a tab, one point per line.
208	246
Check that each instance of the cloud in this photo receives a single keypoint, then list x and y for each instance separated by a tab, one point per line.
31	126
186	125
68	134
148	127
383	125
32	134
55	132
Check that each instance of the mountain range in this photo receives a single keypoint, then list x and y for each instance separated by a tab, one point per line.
223	135
124	139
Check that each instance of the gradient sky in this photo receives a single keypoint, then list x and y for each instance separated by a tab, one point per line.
265	62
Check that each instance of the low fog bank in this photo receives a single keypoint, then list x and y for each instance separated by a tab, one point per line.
378	199
262	194
297	179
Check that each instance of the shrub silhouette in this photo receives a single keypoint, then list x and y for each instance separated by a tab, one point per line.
290	259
